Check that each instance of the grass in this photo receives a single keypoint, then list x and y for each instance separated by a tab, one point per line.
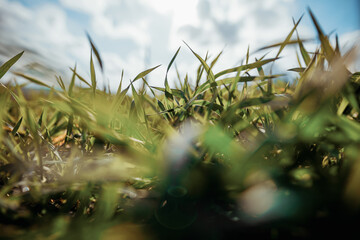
237	151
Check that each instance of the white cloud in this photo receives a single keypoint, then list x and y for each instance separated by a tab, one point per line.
88	6
115	64
44	35
137	32
115	19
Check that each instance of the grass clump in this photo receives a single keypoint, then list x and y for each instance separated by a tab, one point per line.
237	152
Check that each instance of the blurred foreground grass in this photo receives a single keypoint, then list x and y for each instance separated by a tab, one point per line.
235	152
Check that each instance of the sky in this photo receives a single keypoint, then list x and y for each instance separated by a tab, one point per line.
138	34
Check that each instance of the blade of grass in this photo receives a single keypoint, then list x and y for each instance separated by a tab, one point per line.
208	70
171	62
204	103
245	67
325	44
69	128
120	84
215	60
200	72
304	53
80	78
17	126
211	79
119	98
7	65
144	73
175	92
298	59
300	70
230	80
31	79
93	75
138	105
61	83
40	118
288	37
169	98
247	55
72	82
279	44
94	49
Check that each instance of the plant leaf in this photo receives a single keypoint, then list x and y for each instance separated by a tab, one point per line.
17	126
144	73
325	44
287	40
80	77
6	66
93	75
31	79
95	51
204	64
245	67
297	69
72	82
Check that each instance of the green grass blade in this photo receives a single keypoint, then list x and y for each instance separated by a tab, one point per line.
80	77
7	65
287	40
94	49
260	69
187	87
161	105
253	102
208	70
69	128
211	79
93	74
31	79
72	82
204	103
61	83
17	126
304	53
168	93
151	90
245	79
18	99
337	46
138	106
41	119
175	92
246	67
178	76
298	59
119	98
171	62
247	55
200	72
215	60
144	73
299	70
325	44
120	84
